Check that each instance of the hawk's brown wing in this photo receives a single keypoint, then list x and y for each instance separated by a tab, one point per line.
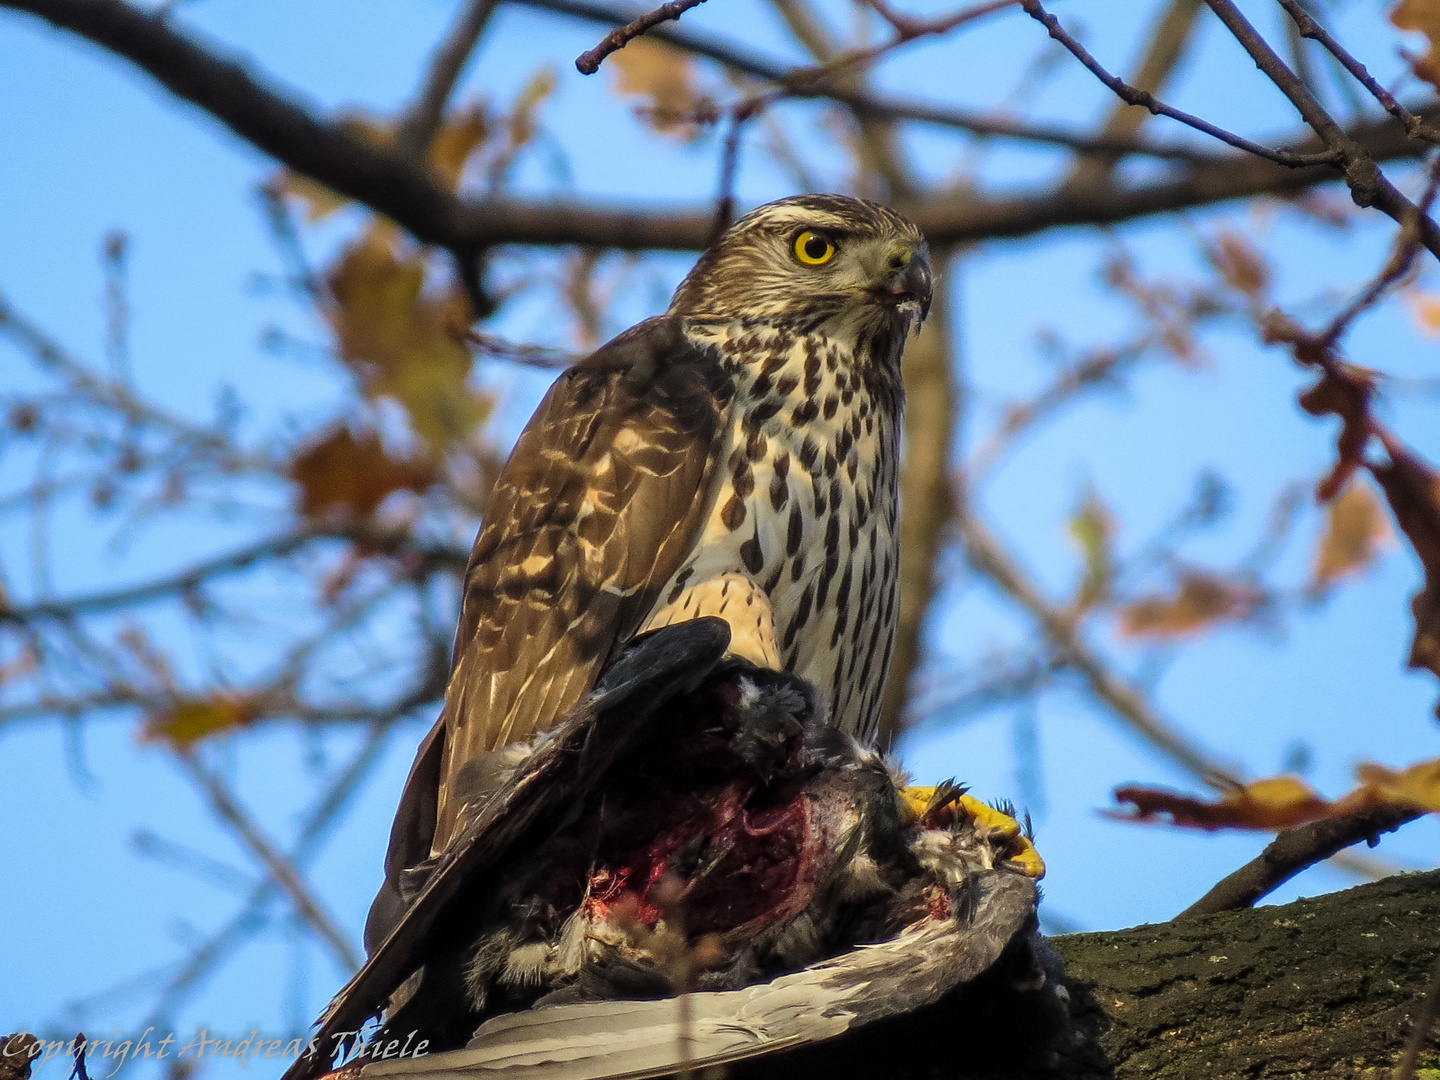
600	502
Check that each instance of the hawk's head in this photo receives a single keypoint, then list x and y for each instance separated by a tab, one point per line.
849	268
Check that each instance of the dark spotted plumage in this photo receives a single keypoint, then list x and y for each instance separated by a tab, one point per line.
736	456
817	380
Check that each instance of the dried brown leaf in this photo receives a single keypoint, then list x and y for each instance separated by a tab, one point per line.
1201	601
1282	802
665	77
1356	529
1413	489
1344	390
1274	803
404	341
1242	266
1422	16
339	473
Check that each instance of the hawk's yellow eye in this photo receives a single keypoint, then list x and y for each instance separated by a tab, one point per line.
812	249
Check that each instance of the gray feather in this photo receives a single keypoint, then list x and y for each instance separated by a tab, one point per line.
611	1040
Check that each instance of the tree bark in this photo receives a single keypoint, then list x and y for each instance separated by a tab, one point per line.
1322	989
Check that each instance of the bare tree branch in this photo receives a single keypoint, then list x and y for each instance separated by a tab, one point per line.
1295	850
423	120
1368	185
1308	27
280	869
232	562
1135	96
397	188
48	353
1162	55
307	844
588	62
1128	703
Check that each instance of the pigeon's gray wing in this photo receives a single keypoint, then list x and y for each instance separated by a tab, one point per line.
611	1040
525	811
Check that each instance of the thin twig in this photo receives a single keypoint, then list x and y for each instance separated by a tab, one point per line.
117	306
907	29
232	562
423	120
49	354
280	869
1368	185
1135	96
589	61
497	348
312	832
277	213
1402	258
1098	369
729	168
986	554
1167	44
1308	27
741	59
1295	850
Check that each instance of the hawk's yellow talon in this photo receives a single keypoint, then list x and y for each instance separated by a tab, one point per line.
915	802
1028	860
987	817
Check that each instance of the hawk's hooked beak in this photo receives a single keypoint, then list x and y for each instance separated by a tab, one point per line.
907	277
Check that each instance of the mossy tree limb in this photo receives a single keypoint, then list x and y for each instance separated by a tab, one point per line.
1322	989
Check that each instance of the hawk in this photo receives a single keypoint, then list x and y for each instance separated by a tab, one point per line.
735	457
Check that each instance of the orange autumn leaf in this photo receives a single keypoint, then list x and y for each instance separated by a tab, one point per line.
1421	16
352	476
1201	601
404	341
1356	529
1425	310
1275	803
189	720
1417	786
1283	802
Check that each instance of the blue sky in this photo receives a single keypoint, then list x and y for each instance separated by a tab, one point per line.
91	146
